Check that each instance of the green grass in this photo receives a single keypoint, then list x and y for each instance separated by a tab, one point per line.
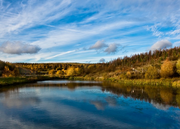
19	80
175	82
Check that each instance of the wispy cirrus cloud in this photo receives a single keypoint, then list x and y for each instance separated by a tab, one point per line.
59	25
17	17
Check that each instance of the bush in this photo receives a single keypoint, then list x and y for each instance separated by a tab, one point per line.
123	76
128	75
151	73
167	69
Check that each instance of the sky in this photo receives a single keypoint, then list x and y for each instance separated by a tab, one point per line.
85	31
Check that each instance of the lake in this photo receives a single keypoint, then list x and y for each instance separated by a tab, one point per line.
88	104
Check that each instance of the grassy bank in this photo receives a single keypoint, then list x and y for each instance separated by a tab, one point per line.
174	82
25	79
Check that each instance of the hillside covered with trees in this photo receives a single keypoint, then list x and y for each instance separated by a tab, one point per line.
150	65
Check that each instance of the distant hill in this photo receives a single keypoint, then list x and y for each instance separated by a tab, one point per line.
135	66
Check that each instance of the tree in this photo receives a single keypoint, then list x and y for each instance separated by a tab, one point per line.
7	72
78	71
2	64
167	69
151	73
178	66
59	72
16	71
51	72
70	71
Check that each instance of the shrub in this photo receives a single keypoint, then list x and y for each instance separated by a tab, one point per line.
123	76
128	75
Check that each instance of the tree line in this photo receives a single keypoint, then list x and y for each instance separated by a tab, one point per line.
153	64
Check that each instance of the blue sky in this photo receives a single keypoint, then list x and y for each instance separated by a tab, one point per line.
85	30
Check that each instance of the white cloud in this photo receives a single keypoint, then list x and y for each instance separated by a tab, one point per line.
112	48
18	48
104	20
161	45
102	60
160	106
111	101
98	45
100	105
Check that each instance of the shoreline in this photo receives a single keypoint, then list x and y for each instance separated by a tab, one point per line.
25	79
171	82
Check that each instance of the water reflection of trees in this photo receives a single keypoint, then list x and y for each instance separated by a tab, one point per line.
156	94
178	97
166	95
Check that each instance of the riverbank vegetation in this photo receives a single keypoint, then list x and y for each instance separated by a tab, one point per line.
22	79
160	67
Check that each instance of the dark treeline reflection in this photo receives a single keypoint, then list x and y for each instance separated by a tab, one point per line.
155	94
152	94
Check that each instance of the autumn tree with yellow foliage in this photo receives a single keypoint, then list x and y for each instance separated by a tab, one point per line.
8	73
178	66
167	69
51	72
151	73
70	71
59	73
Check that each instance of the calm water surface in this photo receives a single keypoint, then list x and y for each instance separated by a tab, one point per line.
88	104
